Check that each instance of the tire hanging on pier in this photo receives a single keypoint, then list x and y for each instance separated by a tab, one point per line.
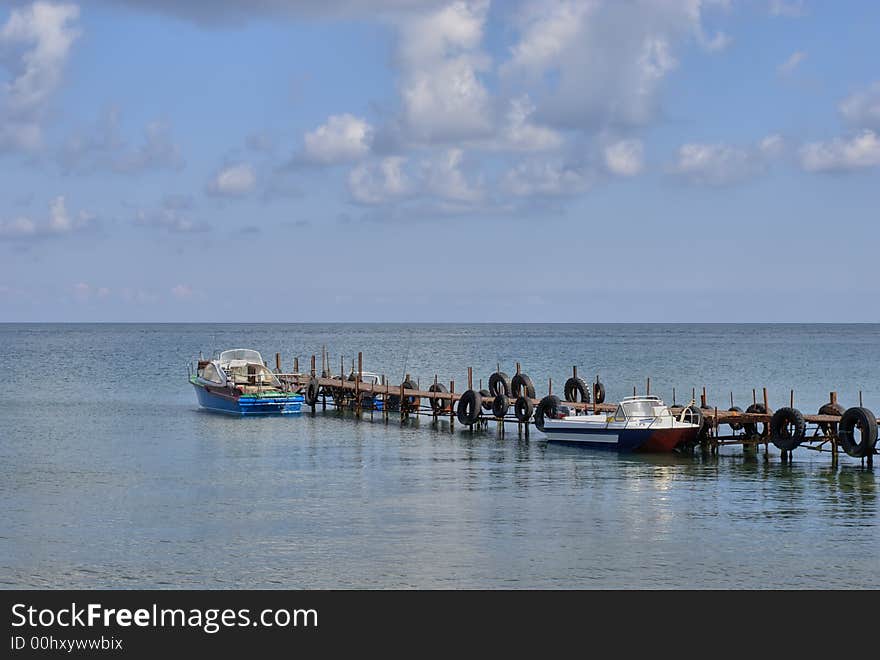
486	401
830	428
599	388
736	426
522	385
410	402
523	409
312	391
576	390
866	423
751	428
693	415
468	410
500	405
548	408
499	383
787	428
439	405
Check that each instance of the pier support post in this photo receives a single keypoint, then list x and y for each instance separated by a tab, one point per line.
451	405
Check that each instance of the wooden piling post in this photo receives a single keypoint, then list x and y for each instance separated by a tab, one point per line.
357	383
766	438
312	370
278	362
451	405
648	386
791	400
470	378
673	397
296	365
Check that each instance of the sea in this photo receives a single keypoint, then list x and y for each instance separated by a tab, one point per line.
111	476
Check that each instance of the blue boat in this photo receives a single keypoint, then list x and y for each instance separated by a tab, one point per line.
238	382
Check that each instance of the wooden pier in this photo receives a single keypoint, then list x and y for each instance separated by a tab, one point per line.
514	400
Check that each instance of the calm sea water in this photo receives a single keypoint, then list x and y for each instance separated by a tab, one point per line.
111	476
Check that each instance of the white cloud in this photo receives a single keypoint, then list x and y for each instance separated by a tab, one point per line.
548	178
719	164
395	178
58	223
182	291
440	61
789	8
772	146
375	183
520	134
171	216
840	154
103	148
342	139
233	181
862	109
444	178
624	158
791	63
35	41
602	63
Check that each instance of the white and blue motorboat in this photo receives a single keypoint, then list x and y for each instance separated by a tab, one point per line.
238	382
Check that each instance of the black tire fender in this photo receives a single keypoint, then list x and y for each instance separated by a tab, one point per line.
522	385
599	390
523	408
787	428
500	405
864	420
694	415
486	400
830	409
312	391
468	410
409	401
548	408
439	405
576	390
751	428
499	383
736	426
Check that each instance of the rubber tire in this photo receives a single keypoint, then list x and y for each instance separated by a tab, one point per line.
522	381
695	416
599	388
312	391
830	409
779	433
574	388
523	408
864	419
548	407
439	405
500	405
486	402
736	426
411	402
499	383
751	428
468	410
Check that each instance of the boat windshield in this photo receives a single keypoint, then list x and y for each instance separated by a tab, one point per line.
244	354
642	408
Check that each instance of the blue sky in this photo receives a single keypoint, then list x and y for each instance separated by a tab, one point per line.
417	160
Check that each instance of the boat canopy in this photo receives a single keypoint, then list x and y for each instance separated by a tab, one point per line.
246	355
640	406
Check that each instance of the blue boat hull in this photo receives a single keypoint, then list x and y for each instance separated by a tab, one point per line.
248	405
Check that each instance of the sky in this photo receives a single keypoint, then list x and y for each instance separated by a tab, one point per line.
437	161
